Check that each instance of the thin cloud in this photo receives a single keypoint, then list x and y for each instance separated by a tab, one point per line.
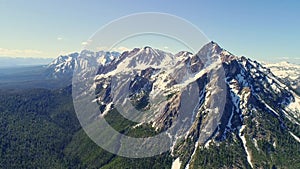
59	38
284	58
20	53
122	49
100	48
115	49
84	43
63	53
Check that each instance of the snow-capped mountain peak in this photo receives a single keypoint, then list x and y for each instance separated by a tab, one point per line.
208	100
64	65
148	56
213	95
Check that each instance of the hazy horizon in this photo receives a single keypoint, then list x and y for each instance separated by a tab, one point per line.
9	60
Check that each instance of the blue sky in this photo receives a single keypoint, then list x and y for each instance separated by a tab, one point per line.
263	30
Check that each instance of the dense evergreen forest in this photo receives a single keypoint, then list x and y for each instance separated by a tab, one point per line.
39	129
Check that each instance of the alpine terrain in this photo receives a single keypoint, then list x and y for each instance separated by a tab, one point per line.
220	110
288	73
216	109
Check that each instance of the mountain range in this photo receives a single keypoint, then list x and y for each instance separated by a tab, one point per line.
257	117
220	110
288	73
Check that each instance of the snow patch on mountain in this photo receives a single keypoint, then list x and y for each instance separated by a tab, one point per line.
242	137
192	156
295	105
295	137
176	164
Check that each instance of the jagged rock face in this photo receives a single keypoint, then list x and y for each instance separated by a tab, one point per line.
148	56
206	100
63	66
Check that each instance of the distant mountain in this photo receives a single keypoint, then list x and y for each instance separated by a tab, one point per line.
289	73
63	66
47	73
237	113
